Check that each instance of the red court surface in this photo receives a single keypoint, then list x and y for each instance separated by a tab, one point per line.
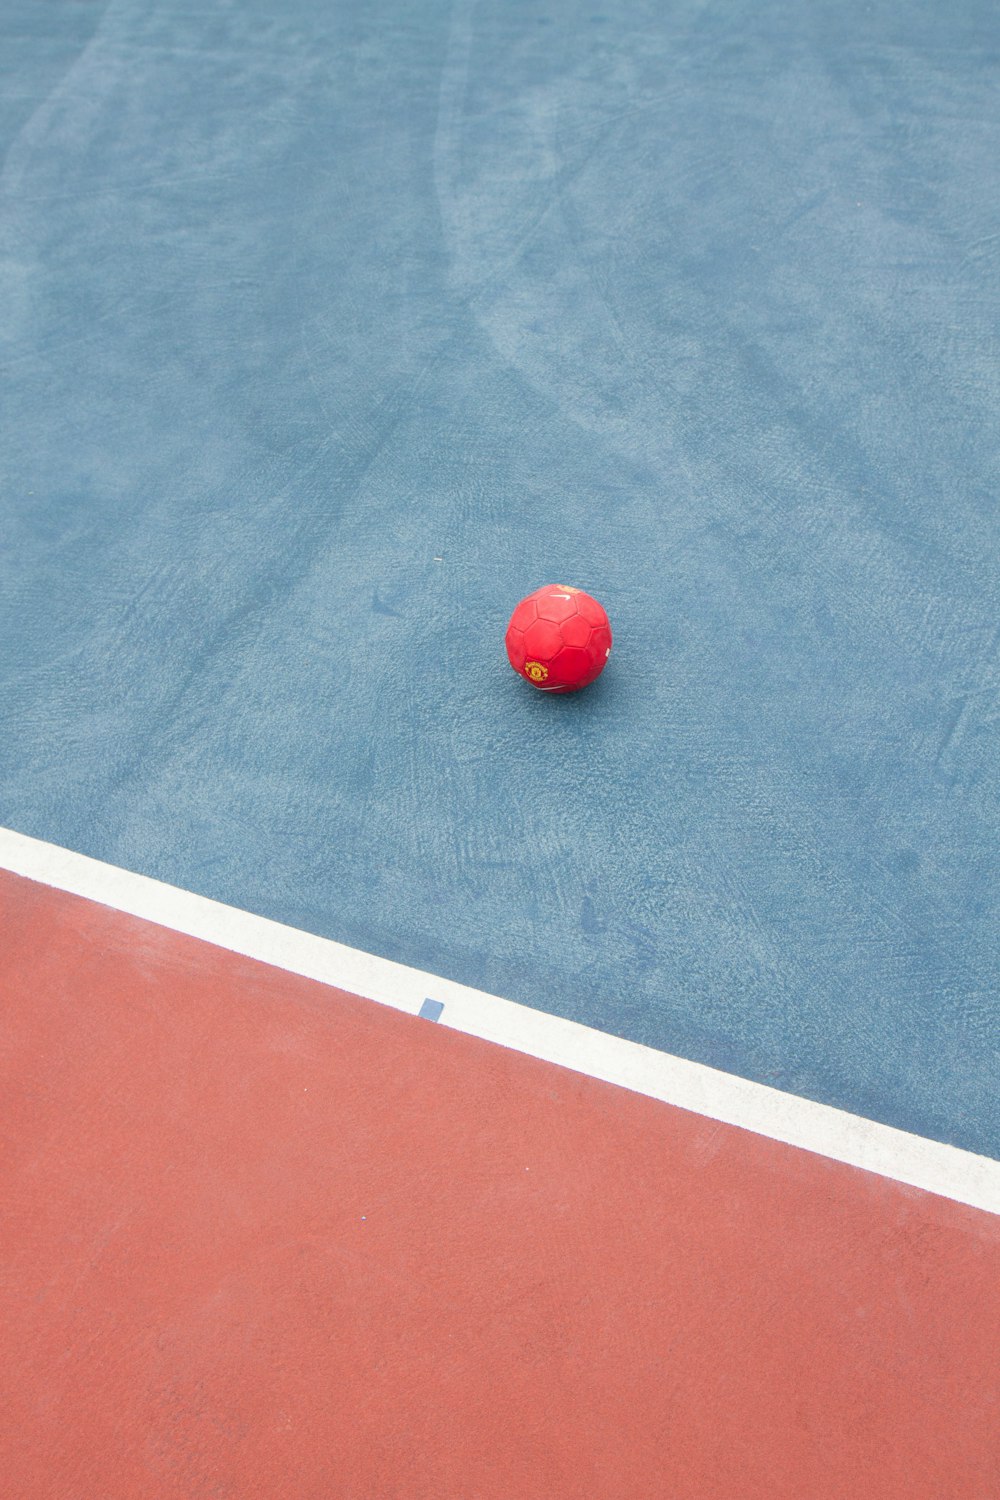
265	1239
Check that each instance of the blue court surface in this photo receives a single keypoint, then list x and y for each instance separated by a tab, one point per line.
330	331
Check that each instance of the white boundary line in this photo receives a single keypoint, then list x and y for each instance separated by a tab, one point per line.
910	1159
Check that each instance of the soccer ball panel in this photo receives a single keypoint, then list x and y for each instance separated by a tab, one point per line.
524	615
600	642
555	605
542	640
573	665
591	610
576	632
516	650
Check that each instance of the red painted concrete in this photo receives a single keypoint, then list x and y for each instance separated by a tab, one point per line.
263	1239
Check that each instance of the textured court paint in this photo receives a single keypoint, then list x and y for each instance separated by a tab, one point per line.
228	1272
910	1159
328	332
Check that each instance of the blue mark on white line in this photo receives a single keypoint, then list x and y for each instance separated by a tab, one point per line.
431	1010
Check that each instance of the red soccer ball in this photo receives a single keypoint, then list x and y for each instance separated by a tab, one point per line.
558	639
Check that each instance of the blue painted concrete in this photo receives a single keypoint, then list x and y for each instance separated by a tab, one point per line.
329	331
